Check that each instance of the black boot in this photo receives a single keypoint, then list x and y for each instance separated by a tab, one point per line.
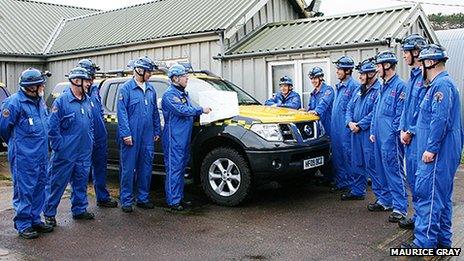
407	223
349	196
110	203
396	217
84	216
146	205
376	207
127	209
51	221
43	228
29	233
186	203
178	208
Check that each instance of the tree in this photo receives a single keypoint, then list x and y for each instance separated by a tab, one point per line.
443	22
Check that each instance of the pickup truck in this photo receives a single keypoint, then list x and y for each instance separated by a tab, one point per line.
3	95
230	156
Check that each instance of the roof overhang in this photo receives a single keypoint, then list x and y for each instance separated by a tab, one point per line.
385	42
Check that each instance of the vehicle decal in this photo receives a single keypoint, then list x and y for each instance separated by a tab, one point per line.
111	118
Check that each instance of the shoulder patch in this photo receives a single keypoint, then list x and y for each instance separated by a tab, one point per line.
328	93
438	96
176	99
402	95
6	113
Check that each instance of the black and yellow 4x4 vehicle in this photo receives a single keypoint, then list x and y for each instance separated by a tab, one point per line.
229	156
3	95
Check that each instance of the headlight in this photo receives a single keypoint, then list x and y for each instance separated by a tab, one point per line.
269	132
320	129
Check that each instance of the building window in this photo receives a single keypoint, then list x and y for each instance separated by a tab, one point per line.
298	71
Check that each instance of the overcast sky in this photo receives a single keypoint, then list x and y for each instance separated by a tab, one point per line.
328	7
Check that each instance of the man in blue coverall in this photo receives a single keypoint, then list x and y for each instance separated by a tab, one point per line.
287	97
358	118
389	182
24	126
322	97
100	147
71	140
439	139
179	113
340	134
320	104
139	128
415	92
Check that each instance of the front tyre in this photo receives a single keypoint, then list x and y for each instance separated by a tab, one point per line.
226	177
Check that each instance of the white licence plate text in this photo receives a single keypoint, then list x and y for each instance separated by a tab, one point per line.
314	162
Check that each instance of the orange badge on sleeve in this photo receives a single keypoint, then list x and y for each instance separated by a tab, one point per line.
6	113
438	96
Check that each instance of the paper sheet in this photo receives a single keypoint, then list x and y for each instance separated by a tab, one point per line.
224	105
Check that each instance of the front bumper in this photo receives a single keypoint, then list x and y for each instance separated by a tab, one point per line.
286	162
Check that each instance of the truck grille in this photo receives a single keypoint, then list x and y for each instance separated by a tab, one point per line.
308	130
305	130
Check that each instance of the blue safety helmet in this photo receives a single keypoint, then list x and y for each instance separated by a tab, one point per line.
344	62
176	70
145	63
433	52
366	66
32	77
413	42
386	57
316	72
286	80
79	73
90	66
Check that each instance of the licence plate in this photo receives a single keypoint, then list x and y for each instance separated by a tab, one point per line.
314	162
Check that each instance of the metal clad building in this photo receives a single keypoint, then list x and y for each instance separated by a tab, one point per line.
25	28
251	42
293	47
163	29
453	41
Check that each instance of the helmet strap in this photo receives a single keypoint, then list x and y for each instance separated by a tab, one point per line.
344	76
141	74
27	91
319	80
424	72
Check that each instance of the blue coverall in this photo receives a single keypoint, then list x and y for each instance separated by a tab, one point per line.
100	147
179	113
71	140
292	100
438	130
321	101
389	185
138	117
340	133
415	93
24	126
360	110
